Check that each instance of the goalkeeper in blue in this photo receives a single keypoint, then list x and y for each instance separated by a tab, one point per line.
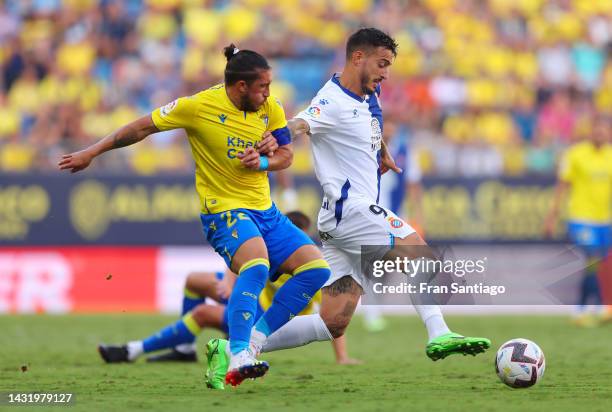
230	127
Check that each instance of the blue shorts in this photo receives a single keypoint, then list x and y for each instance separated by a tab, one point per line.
225	321
227	231
594	239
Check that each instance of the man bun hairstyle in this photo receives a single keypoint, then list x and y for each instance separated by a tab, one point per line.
370	38
242	65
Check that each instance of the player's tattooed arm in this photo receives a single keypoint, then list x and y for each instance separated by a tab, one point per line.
127	135
298	127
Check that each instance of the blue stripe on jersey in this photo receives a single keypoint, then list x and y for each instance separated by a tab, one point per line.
282	135
376	112
378	174
340	202
335	79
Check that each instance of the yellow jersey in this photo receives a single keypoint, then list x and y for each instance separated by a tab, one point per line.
267	294
217	132
588	170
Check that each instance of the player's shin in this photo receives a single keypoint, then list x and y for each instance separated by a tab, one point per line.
299	331
290	300
183	331
242	305
190	301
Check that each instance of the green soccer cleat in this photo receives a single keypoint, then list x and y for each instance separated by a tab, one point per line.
450	343
218	363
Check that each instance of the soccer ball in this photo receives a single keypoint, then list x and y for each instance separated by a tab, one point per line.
520	363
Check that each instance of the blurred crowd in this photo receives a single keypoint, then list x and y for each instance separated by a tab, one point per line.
480	87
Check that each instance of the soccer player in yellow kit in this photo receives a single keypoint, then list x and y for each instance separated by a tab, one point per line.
198	314
233	129
586	172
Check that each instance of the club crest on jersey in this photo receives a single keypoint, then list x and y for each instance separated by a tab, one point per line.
314	111
264	118
167	108
376	135
395	222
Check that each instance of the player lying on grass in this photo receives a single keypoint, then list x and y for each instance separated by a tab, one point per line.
344	123
196	315
237	132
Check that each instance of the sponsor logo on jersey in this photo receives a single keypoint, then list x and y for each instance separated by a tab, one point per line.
355	113
395	222
167	108
314	111
222	118
323	102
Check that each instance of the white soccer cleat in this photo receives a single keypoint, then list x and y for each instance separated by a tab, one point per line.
244	365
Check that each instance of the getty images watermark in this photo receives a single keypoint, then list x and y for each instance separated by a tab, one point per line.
426	268
473	275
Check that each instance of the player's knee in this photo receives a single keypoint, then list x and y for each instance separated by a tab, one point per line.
315	273
256	271
336	325
201	314
191	281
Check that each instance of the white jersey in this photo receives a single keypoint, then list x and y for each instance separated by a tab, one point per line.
346	139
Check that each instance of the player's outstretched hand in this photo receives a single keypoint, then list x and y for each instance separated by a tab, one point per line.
250	158
268	144
387	163
76	161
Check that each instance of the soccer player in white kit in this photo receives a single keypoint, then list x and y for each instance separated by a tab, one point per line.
344	123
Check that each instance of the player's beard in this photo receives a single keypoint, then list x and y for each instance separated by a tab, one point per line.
365	81
247	105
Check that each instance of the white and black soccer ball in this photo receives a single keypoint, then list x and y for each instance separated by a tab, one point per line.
520	363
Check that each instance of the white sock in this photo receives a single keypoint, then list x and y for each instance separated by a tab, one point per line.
299	331
134	349
257	341
431	315
244	357
186	348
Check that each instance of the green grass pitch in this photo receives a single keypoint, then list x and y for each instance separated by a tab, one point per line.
60	355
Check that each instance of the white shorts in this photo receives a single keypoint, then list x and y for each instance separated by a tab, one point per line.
361	222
